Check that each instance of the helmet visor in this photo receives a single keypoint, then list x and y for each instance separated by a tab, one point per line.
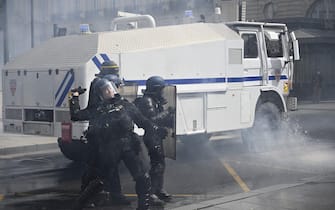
109	90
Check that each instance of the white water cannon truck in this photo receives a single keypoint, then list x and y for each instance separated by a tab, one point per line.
226	76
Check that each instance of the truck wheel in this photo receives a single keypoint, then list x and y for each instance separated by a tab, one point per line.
264	133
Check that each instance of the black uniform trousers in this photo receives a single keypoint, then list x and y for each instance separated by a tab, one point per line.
110	155
155	148
91	172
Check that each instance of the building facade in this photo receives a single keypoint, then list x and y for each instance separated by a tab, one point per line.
314	24
25	24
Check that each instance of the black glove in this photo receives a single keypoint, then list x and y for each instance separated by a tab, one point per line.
80	90
171	110
170	118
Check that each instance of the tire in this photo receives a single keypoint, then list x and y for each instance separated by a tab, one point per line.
263	135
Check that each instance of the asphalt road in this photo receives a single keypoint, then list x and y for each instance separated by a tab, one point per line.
201	172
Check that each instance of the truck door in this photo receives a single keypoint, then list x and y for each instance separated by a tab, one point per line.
275	56
252	59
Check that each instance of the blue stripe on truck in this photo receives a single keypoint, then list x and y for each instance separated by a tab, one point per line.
61	85
66	89
209	80
105	57
96	62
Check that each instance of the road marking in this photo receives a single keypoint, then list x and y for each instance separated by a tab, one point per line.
1	197
176	195
237	178
183	195
130	195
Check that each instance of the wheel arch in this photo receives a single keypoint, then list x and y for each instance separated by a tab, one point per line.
270	105
273	97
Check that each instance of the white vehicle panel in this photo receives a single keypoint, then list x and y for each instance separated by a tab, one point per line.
12	91
40	83
179	63
190	113
223	111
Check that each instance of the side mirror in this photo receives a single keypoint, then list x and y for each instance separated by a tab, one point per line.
295	45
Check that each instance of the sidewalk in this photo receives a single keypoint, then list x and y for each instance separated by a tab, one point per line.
309	194
12	145
323	105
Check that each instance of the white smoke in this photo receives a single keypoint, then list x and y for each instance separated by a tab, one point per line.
287	134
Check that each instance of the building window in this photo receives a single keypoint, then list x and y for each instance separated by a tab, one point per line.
269	10
322	9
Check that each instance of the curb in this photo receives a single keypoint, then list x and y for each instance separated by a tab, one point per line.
28	148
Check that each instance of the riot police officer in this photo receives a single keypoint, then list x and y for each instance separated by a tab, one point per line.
154	200
108	68
114	123
151	106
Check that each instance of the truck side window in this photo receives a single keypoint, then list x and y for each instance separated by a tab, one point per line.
274	46
250	45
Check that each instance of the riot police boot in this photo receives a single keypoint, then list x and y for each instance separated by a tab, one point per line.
101	199
90	191
142	208
163	195
158	183
143	202
119	199
155	201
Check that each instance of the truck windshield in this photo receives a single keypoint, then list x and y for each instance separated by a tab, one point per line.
274	46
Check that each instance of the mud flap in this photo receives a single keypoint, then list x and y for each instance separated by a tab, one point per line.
170	94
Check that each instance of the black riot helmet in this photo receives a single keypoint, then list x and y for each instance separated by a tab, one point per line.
105	89
115	79
108	67
155	86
